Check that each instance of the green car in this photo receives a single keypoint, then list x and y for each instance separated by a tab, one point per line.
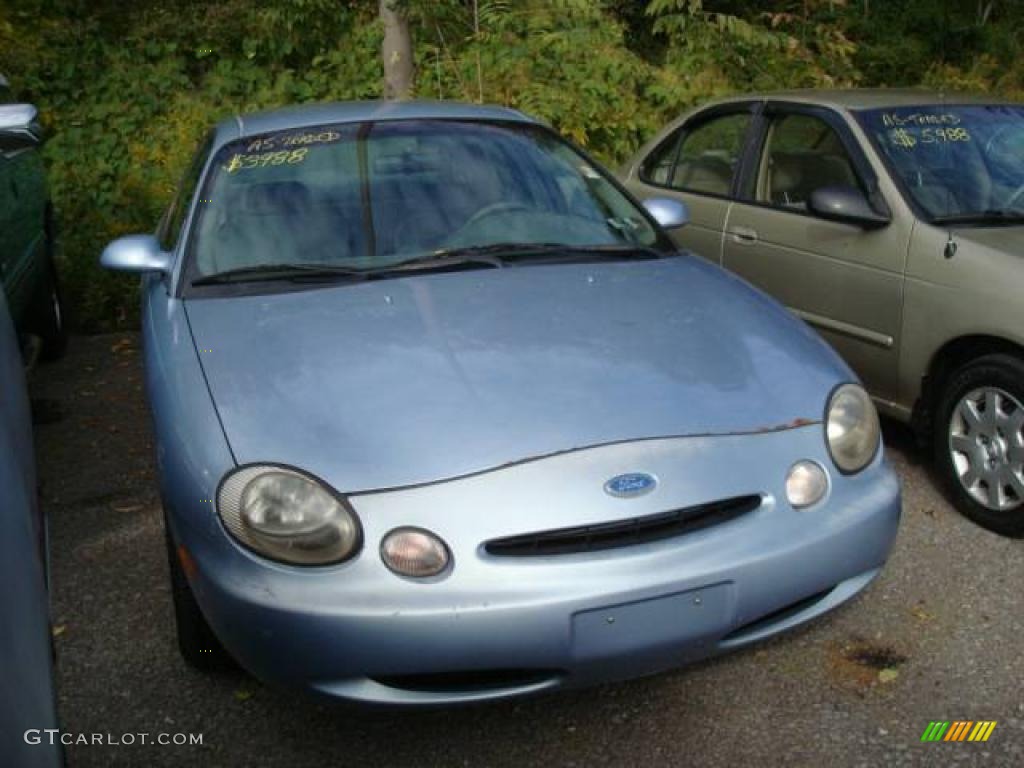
27	271
893	223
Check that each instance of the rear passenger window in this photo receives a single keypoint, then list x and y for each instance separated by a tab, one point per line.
802	154
701	159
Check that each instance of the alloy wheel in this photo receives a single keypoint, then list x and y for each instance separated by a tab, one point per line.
986	444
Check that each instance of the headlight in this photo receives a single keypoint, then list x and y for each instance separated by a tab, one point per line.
287	516
851	428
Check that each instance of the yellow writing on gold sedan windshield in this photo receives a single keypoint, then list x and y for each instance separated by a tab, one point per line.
896	120
911	138
242	162
935	135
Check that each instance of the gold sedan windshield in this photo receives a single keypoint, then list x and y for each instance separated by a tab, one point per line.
955	162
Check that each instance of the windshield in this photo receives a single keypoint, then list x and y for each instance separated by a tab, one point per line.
369	195
955	161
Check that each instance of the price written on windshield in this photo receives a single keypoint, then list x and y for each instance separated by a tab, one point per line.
908	139
240	162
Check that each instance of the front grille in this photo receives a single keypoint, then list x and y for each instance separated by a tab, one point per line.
623	533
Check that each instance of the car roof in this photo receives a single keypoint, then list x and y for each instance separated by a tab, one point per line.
304	116
870	98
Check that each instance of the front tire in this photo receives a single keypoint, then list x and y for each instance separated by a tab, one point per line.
198	645
49	319
979	442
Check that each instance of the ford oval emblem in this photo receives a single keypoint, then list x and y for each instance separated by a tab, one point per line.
631	484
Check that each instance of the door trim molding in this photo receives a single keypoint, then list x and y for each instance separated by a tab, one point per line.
845	329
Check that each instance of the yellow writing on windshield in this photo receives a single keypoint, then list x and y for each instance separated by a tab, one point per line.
937	135
301	139
908	139
896	120
902	138
242	162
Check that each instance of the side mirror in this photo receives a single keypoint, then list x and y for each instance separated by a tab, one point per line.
136	253
669	213
846	204
19	127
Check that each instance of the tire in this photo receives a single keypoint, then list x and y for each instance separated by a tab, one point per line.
978	442
199	647
49	319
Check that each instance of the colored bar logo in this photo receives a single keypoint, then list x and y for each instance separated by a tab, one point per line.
958	730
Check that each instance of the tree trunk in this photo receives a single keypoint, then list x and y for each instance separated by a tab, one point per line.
397	52
984	11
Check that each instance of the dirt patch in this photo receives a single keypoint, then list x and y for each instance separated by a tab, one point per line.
860	665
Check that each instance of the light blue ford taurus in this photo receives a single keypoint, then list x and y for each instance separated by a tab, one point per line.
442	416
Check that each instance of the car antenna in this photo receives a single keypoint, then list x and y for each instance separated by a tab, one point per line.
950	250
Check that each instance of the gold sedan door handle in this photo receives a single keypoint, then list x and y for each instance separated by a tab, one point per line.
743	235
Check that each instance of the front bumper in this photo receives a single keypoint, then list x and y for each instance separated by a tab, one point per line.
495	627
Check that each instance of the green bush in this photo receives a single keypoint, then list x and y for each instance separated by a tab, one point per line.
125	111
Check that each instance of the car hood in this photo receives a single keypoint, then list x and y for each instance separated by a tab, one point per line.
426	377
1008	239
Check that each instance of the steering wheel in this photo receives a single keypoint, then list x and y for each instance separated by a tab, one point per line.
491	210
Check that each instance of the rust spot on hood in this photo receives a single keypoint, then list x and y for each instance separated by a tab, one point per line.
801	422
794	424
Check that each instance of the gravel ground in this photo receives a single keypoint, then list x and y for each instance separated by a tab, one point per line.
938	636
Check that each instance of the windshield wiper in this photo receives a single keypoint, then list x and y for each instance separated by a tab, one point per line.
258	272
494	255
501	254
555	251
991	216
312	272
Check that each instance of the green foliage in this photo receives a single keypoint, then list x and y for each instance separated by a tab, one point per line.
564	62
126	103
763	52
127	90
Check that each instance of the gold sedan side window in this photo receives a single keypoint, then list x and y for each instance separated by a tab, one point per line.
704	160
802	153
